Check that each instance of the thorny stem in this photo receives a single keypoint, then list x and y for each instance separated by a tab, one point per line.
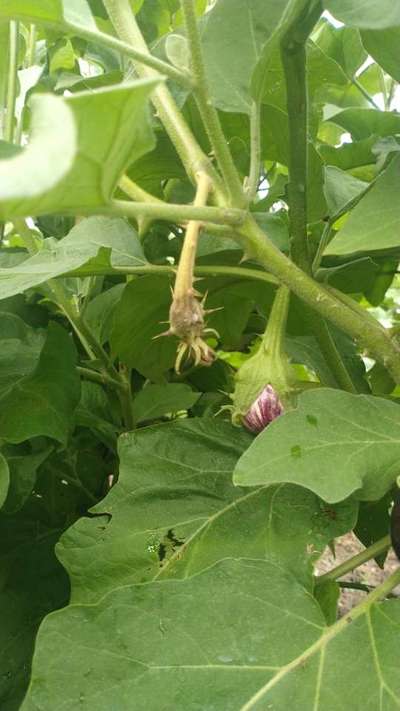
184	275
207	111
355	561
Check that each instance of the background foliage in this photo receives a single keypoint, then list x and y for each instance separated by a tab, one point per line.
153	554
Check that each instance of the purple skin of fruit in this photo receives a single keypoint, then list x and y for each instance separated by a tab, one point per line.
265	408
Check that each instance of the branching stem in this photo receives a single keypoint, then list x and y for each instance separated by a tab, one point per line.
352	563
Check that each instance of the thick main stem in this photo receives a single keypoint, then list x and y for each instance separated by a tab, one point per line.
294	60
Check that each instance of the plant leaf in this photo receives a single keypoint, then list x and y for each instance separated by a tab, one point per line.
104	149
27	176
44	402
373	224
113	237
215	640
365	13
174	511
335	444
154	401
233	37
143	307
383	46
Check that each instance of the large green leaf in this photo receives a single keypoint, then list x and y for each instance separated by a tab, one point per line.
43	402
373	225
104	149
154	401
20	349
27	176
241	635
335	444
384	47
63	13
233	37
95	242
175	511
341	189
365	13
143	308
23	464
362	122
32	584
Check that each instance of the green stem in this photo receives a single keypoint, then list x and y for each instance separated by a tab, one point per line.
352	563
136	193
101	378
207	111
294	63
370	335
172	213
255	152
327	345
12	81
193	158
240	272
294	59
31	48
144	58
274	336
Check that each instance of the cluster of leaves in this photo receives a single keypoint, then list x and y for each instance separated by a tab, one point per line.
175	551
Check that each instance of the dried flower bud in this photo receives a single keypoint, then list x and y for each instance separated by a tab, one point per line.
265	408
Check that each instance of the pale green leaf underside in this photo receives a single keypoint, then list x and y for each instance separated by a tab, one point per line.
241	635
233	37
44	162
174	511
114	236
369	14
374	223
334	444
104	148
73	13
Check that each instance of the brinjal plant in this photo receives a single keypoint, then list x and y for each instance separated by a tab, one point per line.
199	354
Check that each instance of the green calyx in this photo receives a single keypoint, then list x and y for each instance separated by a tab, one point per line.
269	365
